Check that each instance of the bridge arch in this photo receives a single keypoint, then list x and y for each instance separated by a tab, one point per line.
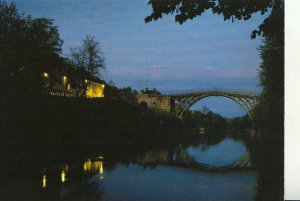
184	102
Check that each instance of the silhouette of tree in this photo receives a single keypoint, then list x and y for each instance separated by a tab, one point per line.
231	10
89	60
111	83
28	47
88	57
204	109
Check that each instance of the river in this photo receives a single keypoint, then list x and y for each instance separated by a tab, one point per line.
209	169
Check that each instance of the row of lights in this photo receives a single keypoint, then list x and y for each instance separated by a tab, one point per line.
87	167
63	175
45	74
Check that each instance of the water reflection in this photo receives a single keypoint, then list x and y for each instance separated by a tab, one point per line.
93	166
63	176
222	154
44	181
174	174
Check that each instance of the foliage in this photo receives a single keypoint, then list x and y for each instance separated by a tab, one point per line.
243	122
204	109
127	94
28	47
272	79
210	121
240	10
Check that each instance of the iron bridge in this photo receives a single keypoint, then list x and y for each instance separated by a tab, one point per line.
186	99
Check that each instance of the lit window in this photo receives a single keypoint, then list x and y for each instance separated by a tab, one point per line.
64	80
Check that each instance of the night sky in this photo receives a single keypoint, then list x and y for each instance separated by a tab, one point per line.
203	53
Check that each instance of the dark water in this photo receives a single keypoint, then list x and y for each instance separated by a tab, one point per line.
196	171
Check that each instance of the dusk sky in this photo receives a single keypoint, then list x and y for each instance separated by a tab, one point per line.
202	53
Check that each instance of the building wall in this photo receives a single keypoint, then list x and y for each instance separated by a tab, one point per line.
157	101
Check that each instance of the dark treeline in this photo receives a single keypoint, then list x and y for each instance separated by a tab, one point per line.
48	128
214	122
243	122
210	121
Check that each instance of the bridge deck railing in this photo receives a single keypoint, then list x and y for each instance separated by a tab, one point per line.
209	90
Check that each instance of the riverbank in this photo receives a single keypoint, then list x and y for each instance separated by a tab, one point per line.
36	130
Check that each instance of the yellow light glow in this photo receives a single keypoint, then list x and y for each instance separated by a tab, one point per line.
95	90
44	181
63	176
64	80
101	168
85	81
95	166
68	87
45	74
87	165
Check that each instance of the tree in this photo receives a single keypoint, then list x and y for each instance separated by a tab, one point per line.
89	60
204	109
111	83
28	47
240	10
88	57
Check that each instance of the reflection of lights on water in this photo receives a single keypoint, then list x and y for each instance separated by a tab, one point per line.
44	181
94	166
101	168
63	176
87	165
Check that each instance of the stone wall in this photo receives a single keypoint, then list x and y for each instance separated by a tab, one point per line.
157	101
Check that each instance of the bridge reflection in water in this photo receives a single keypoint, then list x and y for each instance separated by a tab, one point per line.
182	157
212	169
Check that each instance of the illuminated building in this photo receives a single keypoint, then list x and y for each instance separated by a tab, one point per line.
94	89
91	88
